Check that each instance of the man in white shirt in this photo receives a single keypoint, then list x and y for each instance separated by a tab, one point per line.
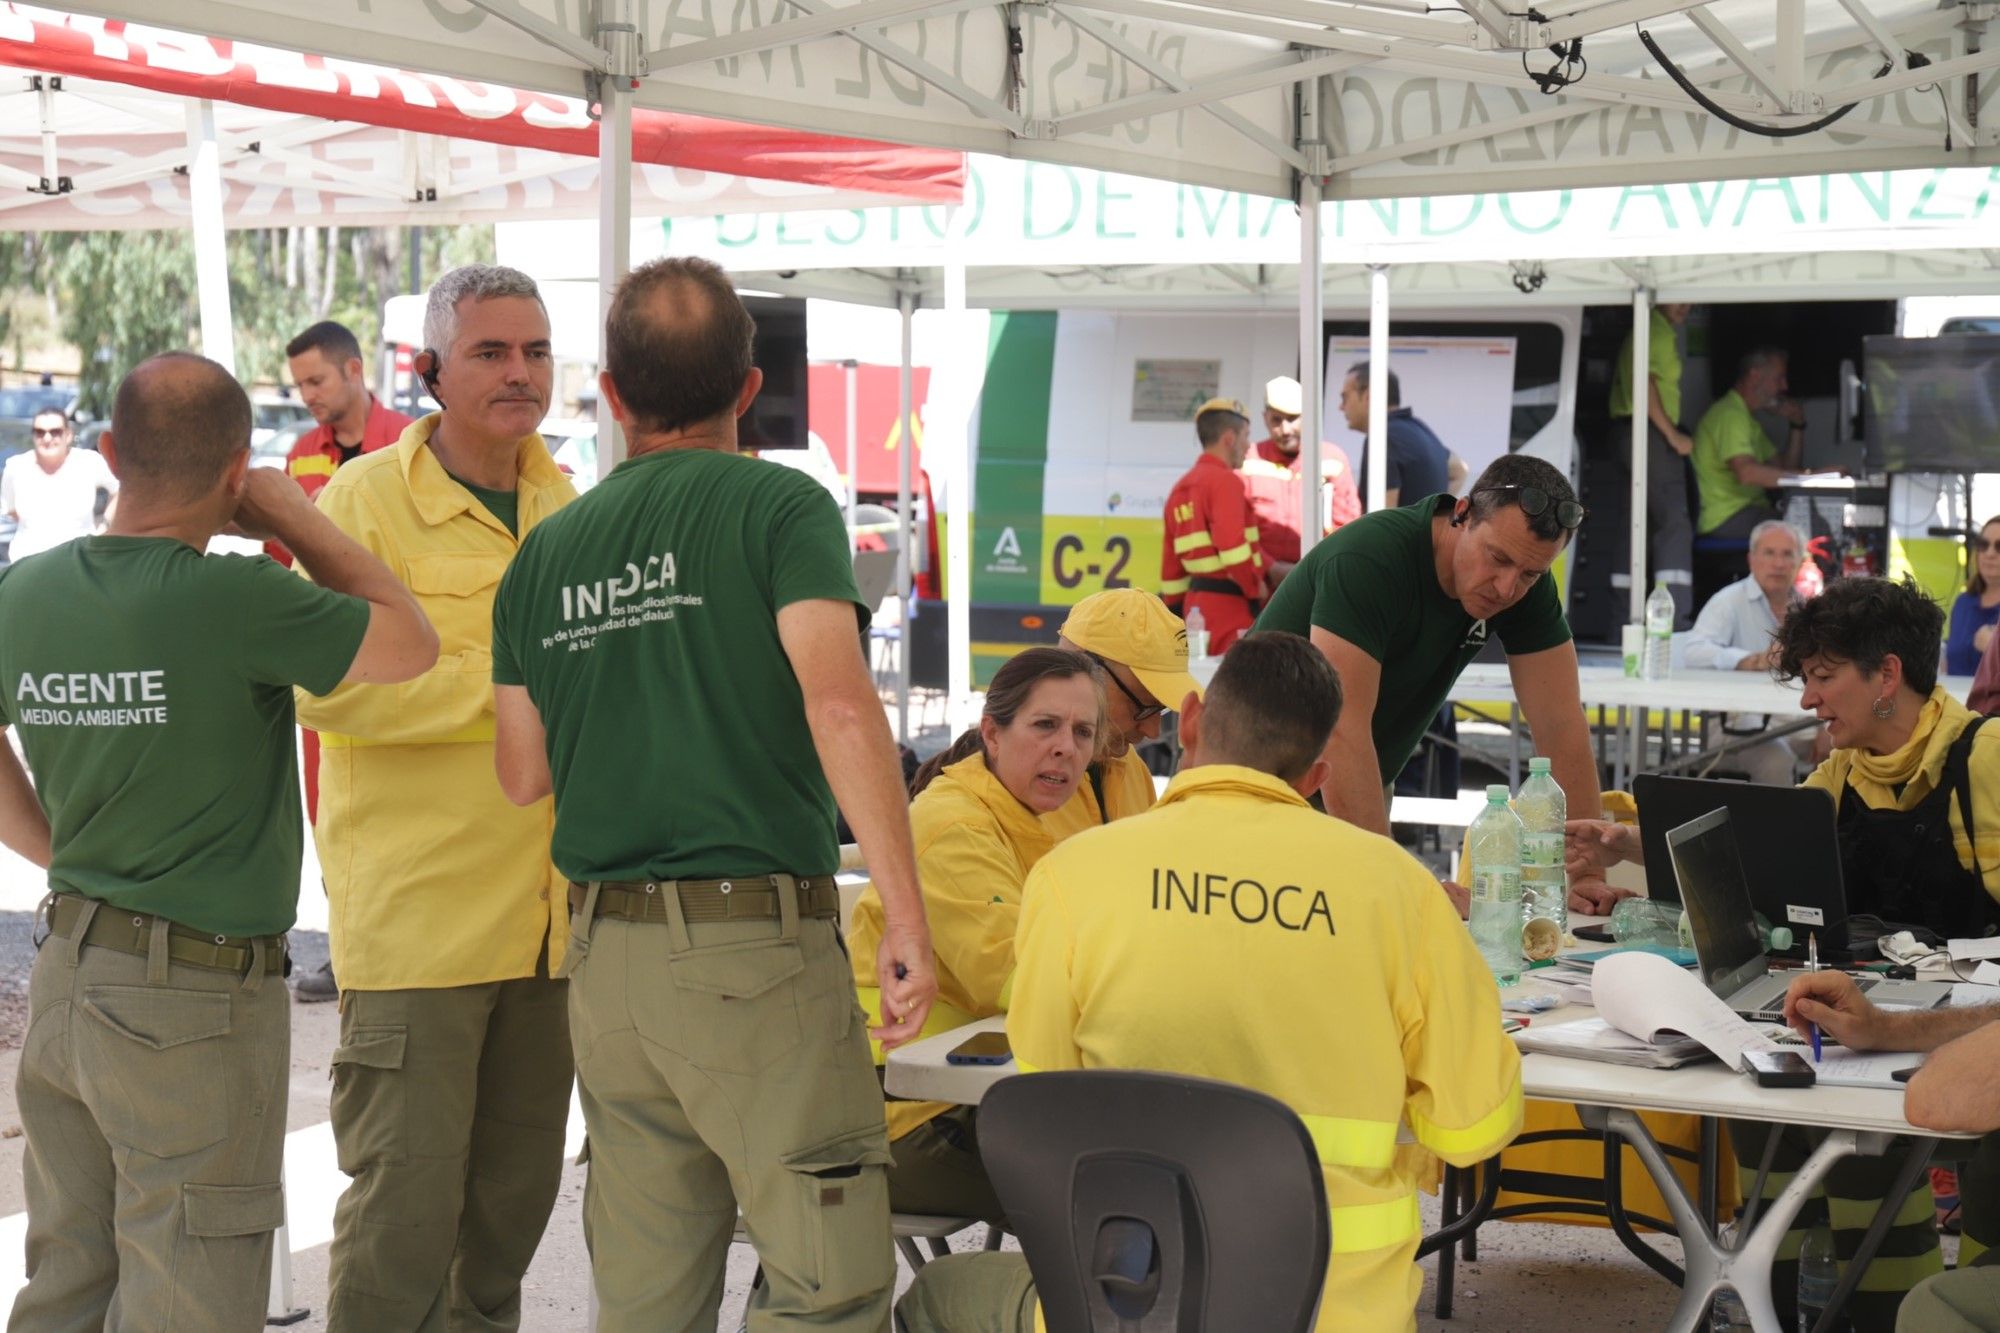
1736	632
52	490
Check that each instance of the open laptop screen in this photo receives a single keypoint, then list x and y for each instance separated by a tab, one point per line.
1717	900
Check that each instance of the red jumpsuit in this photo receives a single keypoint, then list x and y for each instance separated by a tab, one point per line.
1210	558
1271	476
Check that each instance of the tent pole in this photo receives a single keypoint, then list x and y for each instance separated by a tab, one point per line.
1642	332
1378	388
211	256
958	572
853	456
906	530
620	41
1312	367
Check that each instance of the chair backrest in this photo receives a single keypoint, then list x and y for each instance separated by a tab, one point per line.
1155	1203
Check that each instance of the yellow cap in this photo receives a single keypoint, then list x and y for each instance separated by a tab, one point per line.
1132	627
1222	405
1284	396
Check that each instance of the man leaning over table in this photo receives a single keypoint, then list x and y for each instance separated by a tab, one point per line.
1401	600
1115	970
1957	1089
1737	631
451	1082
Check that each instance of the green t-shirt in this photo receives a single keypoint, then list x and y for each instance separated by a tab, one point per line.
152	687
1727	430
1663	363
503	505
643	621
1374	583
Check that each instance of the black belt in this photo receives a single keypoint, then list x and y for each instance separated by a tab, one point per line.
749	898
132	932
1228	586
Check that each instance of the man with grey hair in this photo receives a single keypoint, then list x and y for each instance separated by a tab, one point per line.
452	1079
1736	631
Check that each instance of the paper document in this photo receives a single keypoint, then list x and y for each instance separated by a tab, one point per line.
1986	974
1841	1068
1973	994
1595	1039
1648	997
1963	951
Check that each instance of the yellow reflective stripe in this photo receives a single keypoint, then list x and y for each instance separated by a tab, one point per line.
1488	1133
481	730
1250	534
1257	467
1374	1226
1206	564
943	1017
1188	541
1174	587
312	465
1235	555
1368	1144
1900	1272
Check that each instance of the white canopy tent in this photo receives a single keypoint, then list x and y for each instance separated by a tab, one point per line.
1302	99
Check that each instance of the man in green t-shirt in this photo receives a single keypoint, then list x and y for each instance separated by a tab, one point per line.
1667	450
152	687
1401	600
1735	459
675	659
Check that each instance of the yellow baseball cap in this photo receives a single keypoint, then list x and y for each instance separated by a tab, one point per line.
1222	405
1134	628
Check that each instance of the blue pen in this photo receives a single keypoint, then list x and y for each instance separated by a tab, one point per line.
1812	965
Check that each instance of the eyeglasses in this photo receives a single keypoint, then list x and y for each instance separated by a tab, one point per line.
1535	502
1983	545
1141	712
48	432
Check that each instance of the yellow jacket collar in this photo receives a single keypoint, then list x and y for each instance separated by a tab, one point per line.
972	774
1939	720
438	497
1230	780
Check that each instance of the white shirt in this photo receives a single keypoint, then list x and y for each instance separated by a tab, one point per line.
53	507
1737	622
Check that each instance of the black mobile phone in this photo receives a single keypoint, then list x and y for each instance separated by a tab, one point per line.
1598	934
981	1048
1780	1069
1903	1075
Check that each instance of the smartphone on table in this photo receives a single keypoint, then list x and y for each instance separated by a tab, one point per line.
981	1048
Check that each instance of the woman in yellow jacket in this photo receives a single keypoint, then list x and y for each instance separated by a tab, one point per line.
1916	781
976	814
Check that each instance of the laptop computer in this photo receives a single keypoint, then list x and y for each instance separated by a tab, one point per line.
1730	957
1792	865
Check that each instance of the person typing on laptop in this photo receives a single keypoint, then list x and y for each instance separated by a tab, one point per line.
1957	1088
1917	783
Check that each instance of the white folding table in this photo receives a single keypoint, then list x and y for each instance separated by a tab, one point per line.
1858	1121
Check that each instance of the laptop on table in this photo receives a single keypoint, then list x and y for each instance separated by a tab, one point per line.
1790	849
1730	957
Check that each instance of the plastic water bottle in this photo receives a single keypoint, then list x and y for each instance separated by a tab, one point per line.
1819	1274
1542	809
1726	1314
1496	887
1197	632
1659	658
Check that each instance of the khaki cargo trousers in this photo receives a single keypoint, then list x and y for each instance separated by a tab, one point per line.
449	1112
725	1065
152	1095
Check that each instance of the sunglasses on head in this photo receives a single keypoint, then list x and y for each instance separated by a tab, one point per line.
1535	502
1141	712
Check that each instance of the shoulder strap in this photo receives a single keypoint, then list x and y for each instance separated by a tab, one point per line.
1096	772
1958	776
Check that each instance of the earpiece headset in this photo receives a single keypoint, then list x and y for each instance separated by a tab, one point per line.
428	373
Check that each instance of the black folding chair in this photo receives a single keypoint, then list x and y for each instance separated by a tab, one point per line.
1153	1203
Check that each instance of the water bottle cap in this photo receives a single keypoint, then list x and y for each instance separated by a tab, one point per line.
1538	765
1781	937
1497	794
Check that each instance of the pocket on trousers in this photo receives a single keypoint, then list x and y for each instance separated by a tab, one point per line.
739	1004
844	1193
232	1210
156	1086
368	1106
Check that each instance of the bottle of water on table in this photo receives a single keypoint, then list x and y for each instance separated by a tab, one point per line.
1197	634
1658	661
1542	810
1496	887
